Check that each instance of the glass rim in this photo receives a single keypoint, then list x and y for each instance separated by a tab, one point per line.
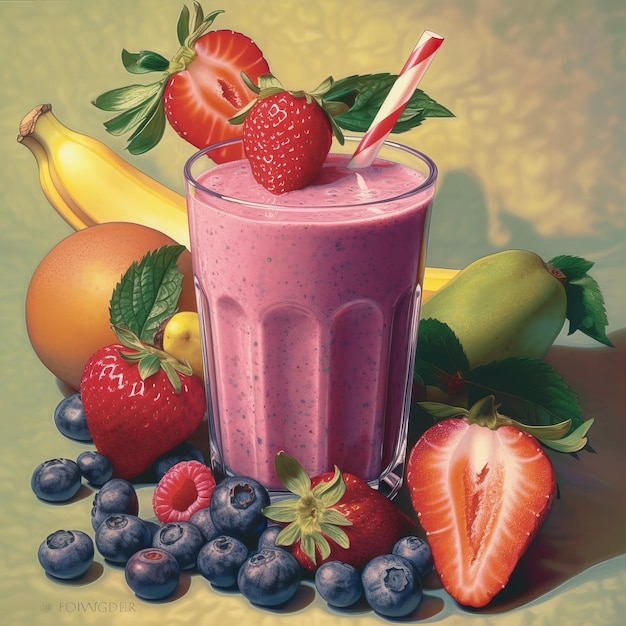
426	184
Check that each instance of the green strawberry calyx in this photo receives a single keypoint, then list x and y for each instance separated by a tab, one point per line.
268	85
310	516
559	436
139	108
149	359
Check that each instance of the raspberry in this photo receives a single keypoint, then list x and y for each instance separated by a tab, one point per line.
184	489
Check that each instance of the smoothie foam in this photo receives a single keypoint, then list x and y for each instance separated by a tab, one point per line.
310	301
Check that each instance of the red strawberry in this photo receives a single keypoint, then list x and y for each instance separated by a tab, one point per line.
287	134
200	89
184	489
139	403
335	517
481	492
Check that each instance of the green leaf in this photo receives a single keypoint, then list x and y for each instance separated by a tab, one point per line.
439	353
365	95
574	267
337	535
292	475
127	97
330	492
288	535
199	15
575	441
282	510
307	543
129	119
149	365
182	26
586	311
149	131
529	390
332	517
148	293
144	61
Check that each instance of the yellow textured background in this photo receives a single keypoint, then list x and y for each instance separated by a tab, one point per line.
533	159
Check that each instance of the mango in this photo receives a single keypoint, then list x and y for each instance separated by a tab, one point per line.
506	304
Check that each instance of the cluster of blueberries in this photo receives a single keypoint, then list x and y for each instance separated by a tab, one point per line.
229	543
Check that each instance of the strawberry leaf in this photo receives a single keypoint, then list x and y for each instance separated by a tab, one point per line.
586	311
288	535
132	117
439	354
330	492
336	534
149	131
148	293
182	26
144	61
128	97
281	511
291	474
529	390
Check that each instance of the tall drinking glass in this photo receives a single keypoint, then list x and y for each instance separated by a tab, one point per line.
309	304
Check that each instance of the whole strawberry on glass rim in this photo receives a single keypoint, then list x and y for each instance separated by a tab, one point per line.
287	134
199	90
481	488
335	516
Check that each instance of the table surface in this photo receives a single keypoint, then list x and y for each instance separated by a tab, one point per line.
527	88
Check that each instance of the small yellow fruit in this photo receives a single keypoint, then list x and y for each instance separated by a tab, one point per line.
181	339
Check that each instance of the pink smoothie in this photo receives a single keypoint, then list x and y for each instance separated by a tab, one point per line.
310	305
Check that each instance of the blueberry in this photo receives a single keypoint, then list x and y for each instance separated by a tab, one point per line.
69	418
202	519
237	505
152	574
153	526
181	539
418	552
115	496
219	560
95	467
338	583
56	480
120	536
270	577
392	585
182	452
268	537
66	554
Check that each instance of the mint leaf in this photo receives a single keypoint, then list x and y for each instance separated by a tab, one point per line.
586	311
529	390
574	267
439	354
148	292
365	95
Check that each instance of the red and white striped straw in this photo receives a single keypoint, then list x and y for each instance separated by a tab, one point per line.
397	98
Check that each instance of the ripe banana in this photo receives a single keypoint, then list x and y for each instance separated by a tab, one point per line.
87	183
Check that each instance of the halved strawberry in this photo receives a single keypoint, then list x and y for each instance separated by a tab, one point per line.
200	90
481	491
